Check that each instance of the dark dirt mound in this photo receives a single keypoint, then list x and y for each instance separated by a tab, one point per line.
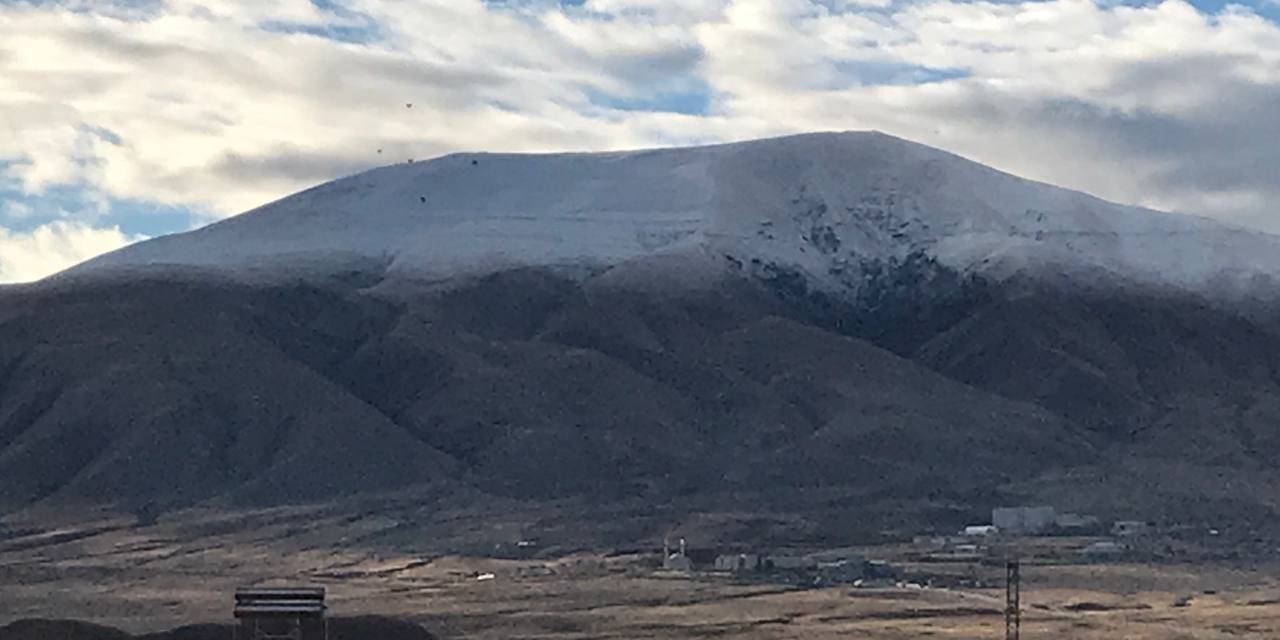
193	632
375	628
1090	607
59	630
342	628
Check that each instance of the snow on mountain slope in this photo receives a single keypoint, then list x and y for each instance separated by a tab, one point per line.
825	204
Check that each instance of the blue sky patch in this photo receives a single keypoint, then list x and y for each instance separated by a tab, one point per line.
888	72
1265	8
339	32
122	9
141	217
103	133
23	212
695	101
346	25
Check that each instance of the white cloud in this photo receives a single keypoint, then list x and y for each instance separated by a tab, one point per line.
1150	105
210	111
47	249
15	210
204	108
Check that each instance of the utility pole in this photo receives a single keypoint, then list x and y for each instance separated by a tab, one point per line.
1012	597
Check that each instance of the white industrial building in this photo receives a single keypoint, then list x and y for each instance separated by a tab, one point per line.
737	562
1024	520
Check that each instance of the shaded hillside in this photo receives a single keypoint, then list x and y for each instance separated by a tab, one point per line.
1162	374
521	383
174	392
160	393
1169	377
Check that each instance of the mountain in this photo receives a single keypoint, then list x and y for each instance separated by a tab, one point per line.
827	205
849	325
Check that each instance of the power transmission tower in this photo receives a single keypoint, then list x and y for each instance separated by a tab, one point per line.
1012	597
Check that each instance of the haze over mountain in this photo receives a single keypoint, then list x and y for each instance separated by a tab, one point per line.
829	314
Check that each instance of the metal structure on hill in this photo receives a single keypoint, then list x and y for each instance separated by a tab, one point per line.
280	613
1012	600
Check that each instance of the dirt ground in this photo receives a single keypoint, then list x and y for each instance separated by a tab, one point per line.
151	578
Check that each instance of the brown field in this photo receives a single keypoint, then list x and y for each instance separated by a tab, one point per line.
146	579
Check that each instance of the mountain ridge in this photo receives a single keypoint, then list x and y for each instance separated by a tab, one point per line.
826	204
787	324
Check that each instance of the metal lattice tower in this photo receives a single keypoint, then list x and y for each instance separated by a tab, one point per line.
1012	600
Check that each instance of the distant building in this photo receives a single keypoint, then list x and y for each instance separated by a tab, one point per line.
842	571
933	542
980	530
1024	520
784	562
279	613
837	555
1104	548
1129	528
1074	522
678	561
738	562
881	570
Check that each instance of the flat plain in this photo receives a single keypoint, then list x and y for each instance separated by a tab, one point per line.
116	572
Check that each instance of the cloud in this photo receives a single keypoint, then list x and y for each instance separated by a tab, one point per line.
218	107
1158	105
49	248
15	210
188	94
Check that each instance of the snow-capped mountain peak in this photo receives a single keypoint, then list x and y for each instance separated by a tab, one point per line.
823	204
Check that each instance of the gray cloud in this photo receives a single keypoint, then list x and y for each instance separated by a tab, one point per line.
289	164
1225	145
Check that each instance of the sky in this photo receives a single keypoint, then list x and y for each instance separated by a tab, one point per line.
127	119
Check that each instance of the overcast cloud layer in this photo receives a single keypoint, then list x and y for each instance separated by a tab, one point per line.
135	117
